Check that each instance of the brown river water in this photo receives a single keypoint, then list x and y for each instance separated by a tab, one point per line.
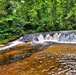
27	59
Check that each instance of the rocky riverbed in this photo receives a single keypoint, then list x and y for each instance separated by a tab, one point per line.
38	59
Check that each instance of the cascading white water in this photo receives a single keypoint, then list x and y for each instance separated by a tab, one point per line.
48	37
11	45
59	37
66	37
41	38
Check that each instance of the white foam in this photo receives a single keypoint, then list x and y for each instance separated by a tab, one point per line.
41	38
57	38
55	41
12	45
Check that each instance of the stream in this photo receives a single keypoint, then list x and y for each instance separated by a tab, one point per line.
40	54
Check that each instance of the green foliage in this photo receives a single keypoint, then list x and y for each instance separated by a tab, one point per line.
19	16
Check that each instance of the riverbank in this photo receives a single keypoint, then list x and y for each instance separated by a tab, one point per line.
5	41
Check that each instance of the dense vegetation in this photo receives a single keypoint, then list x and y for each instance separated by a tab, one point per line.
20	16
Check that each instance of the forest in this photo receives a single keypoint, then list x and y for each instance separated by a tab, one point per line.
18	17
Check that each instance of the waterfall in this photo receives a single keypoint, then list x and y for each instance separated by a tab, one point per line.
65	37
68	37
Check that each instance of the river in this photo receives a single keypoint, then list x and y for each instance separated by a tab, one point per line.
27	59
40	54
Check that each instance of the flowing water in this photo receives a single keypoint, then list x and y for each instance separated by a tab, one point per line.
35	56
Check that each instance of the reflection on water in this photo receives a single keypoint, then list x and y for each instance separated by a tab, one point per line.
55	60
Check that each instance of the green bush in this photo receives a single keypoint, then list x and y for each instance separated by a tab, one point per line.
20	16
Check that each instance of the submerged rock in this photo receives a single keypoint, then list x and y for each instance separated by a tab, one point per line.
55	60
